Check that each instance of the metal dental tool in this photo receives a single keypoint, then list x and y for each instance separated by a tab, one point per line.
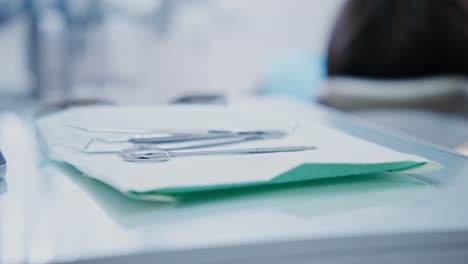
176	146
206	138
3	168
159	145
158	155
147	131
180	137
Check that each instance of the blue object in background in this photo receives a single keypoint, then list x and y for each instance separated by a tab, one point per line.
297	76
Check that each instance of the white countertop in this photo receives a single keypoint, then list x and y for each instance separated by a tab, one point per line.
52	213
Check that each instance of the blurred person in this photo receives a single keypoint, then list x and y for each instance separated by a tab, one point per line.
399	53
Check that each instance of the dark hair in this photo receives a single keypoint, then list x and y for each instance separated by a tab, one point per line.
400	39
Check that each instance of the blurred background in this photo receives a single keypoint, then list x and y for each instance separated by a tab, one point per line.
163	51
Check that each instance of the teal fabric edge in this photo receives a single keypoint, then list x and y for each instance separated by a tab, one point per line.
301	173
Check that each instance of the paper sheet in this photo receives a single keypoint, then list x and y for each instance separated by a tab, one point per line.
200	173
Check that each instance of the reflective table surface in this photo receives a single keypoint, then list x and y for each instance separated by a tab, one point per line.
52	213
